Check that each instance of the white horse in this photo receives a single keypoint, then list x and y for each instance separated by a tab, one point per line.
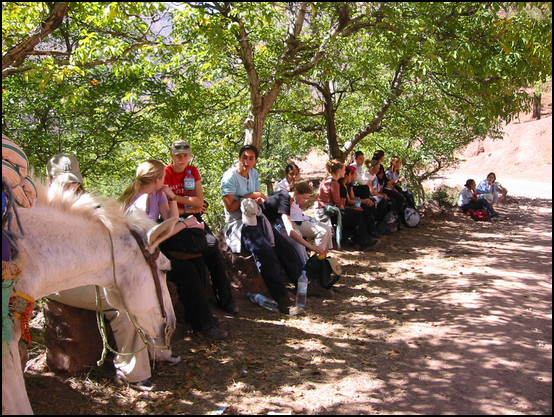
70	242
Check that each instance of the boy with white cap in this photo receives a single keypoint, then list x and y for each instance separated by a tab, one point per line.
246	227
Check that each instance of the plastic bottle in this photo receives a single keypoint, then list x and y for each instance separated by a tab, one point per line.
358	202
189	185
302	290
404	186
264	301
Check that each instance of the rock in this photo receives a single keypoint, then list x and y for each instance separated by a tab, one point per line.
502	193
71	335
244	274
432	208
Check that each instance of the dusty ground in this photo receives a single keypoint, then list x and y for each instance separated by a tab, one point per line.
452	317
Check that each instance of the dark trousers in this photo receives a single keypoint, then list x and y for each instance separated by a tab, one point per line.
480	204
408	195
354	224
187	276
218	274
398	200
272	261
382	208
369	214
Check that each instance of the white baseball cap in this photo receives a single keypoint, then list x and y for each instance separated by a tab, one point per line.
249	209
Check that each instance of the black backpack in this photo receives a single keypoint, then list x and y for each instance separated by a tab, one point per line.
389	224
321	270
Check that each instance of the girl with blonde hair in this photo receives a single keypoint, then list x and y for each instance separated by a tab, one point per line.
148	193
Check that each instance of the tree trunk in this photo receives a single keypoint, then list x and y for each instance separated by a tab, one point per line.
329	113
537	106
253	129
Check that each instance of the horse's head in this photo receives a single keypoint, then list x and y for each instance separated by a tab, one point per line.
143	284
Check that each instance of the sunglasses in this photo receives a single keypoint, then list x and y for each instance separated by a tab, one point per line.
179	147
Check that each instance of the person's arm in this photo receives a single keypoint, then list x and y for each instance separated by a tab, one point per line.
168	208
335	194
294	234
231	204
350	197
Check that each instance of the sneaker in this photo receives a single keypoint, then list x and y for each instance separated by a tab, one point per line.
214	332
285	303
145	385
173	360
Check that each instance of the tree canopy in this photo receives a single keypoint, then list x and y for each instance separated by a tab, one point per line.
115	83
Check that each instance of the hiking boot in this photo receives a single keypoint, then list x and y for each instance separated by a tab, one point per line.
145	385
286	305
214	332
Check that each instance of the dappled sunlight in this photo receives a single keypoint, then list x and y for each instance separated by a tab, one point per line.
463	317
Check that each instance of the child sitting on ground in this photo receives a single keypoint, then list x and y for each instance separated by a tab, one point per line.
468	200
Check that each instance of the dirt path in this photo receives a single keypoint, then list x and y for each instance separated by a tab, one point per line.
452	317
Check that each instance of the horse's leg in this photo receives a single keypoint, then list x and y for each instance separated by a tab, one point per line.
14	394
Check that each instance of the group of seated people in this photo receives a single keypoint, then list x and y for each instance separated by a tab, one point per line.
480	197
279	235
349	204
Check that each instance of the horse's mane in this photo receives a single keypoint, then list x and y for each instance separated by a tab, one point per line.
93	207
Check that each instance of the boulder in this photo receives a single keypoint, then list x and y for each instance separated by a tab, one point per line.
502	193
432	208
242	270
71	335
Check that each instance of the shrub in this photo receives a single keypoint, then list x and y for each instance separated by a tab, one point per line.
445	195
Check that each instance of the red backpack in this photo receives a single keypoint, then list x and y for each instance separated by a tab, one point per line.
478	215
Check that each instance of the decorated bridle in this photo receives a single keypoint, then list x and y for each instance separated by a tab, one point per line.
14	303
151	259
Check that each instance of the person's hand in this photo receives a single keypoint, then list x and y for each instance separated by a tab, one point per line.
368	202
320	250
170	194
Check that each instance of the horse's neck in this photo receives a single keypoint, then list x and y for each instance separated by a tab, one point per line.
62	252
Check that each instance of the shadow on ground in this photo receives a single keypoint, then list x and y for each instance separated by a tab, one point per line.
451	317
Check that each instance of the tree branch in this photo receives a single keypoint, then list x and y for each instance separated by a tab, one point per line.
27	45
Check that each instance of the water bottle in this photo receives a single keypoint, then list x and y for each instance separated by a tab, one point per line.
190	185
264	301
405	186
302	290
358	202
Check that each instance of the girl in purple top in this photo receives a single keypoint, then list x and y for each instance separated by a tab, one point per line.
149	194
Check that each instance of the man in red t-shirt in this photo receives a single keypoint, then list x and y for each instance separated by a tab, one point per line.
175	173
